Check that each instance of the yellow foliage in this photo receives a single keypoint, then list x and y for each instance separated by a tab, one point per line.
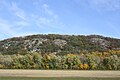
85	66
81	66
1	66
47	66
48	57
71	55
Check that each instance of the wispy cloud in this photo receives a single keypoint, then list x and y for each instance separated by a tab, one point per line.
18	11
100	5
10	28
14	9
5	28
45	20
48	11
104	4
49	19
112	26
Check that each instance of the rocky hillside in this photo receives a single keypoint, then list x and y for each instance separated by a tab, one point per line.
59	44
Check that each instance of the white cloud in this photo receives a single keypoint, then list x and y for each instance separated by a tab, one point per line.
37	2
112	26
5	28
14	9
50	19
47	19
21	23
100	5
104	4
48	11
18	11
10	30
45	22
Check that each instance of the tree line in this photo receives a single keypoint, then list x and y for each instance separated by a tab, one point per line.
109	60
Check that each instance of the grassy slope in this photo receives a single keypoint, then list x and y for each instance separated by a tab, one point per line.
53	78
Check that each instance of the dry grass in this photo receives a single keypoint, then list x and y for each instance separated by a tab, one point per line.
58	73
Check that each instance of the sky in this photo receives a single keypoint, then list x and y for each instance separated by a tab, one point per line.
72	17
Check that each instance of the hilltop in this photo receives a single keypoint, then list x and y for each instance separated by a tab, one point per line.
59	44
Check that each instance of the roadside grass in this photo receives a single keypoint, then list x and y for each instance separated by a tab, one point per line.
55	78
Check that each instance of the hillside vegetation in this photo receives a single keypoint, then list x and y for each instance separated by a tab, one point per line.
58	44
54	51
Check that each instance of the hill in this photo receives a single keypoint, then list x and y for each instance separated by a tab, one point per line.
59	44
60	52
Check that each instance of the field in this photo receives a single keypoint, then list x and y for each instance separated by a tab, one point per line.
58	75
54	78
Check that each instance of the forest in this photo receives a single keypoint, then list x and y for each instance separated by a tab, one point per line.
109	60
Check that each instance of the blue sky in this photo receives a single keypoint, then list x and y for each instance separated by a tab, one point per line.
83	17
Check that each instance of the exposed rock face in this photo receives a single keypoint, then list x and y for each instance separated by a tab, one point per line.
10	43
60	42
101	42
34	42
